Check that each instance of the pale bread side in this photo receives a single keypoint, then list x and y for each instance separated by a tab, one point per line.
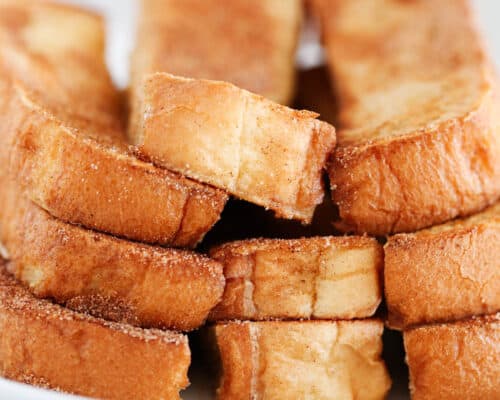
219	134
301	359
319	278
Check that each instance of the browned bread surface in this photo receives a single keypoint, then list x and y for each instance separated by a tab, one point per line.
321	277
216	133
298	360
444	273
250	44
48	345
419	118
98	274
63	138
455	361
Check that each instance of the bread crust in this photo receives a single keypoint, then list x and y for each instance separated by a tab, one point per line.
419	128
72	156
412	183
106	189
103	276
455	361
306	359
251	45
48	345
444	273
253	148
319	278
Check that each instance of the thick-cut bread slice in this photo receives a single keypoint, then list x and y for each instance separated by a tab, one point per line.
250	44
455	361
301	360
321	277
219	134
96	183
47	345
419	126
444	273
61	134
104	276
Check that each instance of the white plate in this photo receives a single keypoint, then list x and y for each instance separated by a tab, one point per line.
13	390
199	390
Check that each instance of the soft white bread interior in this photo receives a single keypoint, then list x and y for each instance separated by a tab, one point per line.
301	360
219	134
320	277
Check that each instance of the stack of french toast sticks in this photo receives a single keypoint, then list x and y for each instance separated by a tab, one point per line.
419	145
106	197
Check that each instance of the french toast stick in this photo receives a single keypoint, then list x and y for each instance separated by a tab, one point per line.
219	134
44	344
319	278
104	276
301	359
250	44
444	273
62	134
418	124
455	361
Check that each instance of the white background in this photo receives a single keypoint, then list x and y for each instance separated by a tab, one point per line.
120	15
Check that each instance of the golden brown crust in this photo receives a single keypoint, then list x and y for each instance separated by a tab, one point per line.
444	273
251	45
104	276
321	277
419	127
253	148
308	359
455	361
104	188
44	343
70	153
